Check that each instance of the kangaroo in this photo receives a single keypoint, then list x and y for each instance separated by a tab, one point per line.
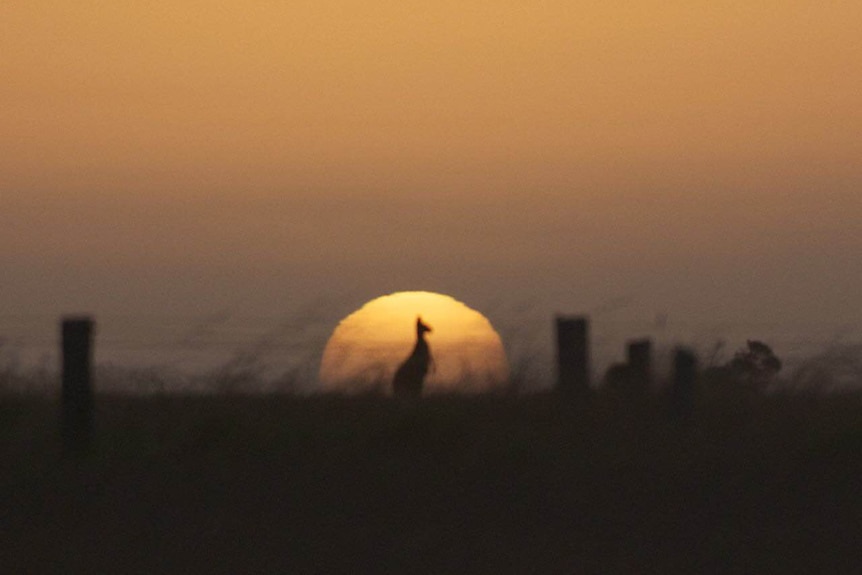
411	373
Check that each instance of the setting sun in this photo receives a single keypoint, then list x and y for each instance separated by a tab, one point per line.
367	347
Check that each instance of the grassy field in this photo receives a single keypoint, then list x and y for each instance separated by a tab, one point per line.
536	484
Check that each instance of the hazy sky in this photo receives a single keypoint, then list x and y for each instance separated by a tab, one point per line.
701	158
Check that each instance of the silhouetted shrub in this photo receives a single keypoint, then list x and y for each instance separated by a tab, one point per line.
752	369
757	364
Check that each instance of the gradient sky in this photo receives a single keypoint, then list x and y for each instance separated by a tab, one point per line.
699	158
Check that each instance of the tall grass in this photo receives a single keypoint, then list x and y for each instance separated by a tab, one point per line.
239	483
836	369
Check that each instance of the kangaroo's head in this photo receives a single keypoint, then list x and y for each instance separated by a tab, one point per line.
421	328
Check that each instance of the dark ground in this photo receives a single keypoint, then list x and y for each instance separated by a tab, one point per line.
483	485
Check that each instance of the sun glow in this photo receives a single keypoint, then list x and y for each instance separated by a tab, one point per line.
368	345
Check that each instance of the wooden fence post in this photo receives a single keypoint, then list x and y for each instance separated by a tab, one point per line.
76	419
573	355
682	392
640	363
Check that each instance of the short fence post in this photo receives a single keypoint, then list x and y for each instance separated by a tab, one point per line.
76	420
682	392
573	356
640	364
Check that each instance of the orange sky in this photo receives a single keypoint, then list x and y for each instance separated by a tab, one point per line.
705	156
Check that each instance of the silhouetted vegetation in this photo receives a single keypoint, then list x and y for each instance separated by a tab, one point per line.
836	369
718	473
537	483
751	370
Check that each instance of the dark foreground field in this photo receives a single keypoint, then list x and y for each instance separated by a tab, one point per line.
507	485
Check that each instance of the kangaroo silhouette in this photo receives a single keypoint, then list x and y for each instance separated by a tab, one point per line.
411	373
